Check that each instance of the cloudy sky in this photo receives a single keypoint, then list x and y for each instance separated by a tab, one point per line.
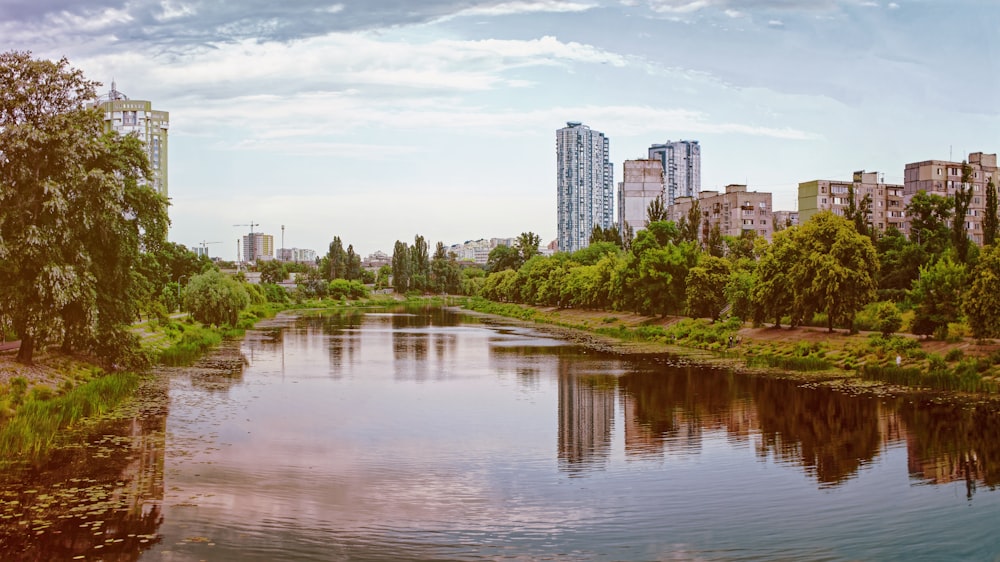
375	120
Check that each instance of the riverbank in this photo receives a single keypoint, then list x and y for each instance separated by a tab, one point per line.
863	362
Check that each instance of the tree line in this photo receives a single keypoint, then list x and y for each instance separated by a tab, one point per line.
829	269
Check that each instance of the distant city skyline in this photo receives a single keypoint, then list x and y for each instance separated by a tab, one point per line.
377	120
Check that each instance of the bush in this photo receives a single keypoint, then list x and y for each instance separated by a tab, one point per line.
886	318
341	289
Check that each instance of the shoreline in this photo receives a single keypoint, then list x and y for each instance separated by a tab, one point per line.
735	358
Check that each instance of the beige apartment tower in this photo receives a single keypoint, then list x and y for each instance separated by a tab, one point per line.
642	183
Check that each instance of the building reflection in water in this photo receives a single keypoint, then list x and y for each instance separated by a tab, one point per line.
669	410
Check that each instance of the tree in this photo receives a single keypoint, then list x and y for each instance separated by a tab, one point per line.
899	264
715	244
215	298
503	257
834	270
991	222
401	265
706	287
929	216
887	318
959	232
858	211
272	271
610	234
691	223
75	213
656	211
773	294
420	264
937	297
982	300
527	246
335	264
352	263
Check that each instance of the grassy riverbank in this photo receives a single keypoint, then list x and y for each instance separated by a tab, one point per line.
859	360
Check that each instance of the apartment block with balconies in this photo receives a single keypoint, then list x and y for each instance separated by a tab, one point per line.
735	211
888	204
944	177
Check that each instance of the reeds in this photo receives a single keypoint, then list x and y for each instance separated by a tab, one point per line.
38	419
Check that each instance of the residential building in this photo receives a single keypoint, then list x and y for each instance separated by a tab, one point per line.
784	219
736	210
258	246
681	162
584	184
137	117
642	183
943	177
888	204
297	255
478	251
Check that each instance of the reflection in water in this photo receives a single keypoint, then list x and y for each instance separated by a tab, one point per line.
98	498
586	417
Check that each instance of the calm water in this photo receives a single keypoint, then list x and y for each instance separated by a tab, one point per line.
426	435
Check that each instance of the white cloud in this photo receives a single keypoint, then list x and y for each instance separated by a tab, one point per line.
893	5
526	7
776	23
734	13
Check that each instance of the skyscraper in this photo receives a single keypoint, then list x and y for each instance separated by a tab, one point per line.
138	117
585	185
681	162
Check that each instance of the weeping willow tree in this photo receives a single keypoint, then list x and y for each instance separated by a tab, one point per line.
76	212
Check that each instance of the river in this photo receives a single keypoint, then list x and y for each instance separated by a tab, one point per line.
426	434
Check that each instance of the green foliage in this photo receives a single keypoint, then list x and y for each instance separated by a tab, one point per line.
272	271
936	296
216	299
274	293
962	199
656	211
789	363
75	211
194	341
991	222
982	301
34	426
344	289
706	287
883	317
503	257
401	267
929	216
610	234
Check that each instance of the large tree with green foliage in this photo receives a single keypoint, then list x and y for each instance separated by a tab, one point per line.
929	216
834	270
982	300
75	212
401	267
937	296
527	246
656	211
706	287
215	298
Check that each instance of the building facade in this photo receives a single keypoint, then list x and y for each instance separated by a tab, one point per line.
642	183
137	117
943	177
888	204
735	211
681	162
297	255
584	184
258	246
785	219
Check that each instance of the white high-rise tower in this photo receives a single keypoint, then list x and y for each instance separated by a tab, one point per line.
681	162
585	183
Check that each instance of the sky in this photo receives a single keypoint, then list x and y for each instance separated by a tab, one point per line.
378	120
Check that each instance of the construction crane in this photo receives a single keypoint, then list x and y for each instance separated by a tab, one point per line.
250	241
204	247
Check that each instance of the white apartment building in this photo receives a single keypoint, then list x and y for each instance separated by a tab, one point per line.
642	183
681	162
127	116
584	184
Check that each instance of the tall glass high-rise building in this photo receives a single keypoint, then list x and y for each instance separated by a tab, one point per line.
585	183
681	168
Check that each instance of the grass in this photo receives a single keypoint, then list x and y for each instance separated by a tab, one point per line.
194	341
789	363
43	413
